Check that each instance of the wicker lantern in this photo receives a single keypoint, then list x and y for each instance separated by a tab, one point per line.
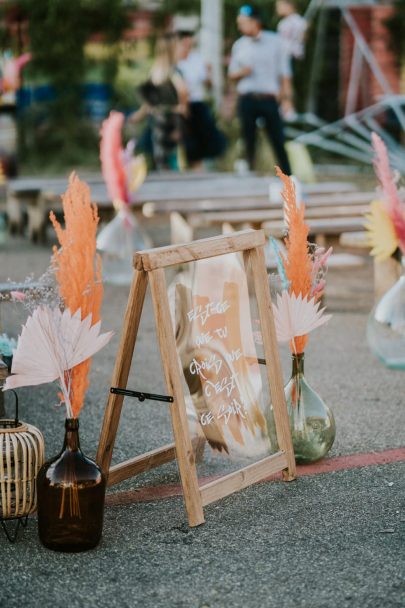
21	456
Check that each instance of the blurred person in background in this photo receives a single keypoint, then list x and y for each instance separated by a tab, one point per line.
260	67
164	99
292	29
202	138
10	81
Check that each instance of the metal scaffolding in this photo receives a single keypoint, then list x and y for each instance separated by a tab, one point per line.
350	135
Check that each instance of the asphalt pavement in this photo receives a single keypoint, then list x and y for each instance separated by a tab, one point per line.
328	540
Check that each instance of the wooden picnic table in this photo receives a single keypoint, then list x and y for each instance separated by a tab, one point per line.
37	196
25	184
318	226
250	205
186	185
230	186
242	212
258	217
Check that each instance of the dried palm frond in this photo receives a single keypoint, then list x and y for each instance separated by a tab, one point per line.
296	316
52	344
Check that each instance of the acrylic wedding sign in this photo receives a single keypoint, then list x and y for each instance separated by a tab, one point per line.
219	394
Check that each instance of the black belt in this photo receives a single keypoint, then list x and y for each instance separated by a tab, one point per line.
260	96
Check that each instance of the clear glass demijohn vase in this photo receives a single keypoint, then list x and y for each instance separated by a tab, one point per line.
312	422
117	242
386	326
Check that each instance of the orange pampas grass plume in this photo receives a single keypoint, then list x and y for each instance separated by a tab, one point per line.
78	269
298	263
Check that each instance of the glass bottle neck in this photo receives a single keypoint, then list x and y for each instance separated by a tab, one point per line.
71	441
298	364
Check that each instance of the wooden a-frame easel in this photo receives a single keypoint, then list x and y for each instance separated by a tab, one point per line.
149	267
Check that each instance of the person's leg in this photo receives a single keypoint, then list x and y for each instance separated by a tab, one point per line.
212	140
275	132
247	116
300	83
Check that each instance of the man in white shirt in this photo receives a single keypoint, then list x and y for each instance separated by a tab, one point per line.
261	68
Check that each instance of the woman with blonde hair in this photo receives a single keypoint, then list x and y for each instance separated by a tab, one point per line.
164	99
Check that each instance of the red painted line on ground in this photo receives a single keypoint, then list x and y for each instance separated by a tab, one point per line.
329	465
353	461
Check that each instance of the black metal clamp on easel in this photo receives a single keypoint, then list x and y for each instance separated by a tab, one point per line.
141	395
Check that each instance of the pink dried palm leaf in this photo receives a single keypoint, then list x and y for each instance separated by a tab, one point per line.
319	270
392	200
112	158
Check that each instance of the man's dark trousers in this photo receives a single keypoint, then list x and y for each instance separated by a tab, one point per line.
253	106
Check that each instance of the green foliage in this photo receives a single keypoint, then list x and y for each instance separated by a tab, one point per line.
4	37
396	25
129	77
58	31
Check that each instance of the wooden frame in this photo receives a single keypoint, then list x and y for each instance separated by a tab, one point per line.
150	266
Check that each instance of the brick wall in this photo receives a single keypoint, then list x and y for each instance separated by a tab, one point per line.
371	23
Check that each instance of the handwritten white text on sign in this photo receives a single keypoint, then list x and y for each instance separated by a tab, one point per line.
226	410
209	368
203	313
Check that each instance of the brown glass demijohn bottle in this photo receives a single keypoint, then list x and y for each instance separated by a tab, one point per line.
71	491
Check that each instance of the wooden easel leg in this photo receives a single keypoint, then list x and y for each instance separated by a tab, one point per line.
121	370
274	371
184	448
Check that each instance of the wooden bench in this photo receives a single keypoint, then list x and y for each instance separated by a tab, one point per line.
345	208
230	186
23	197
333	226
223	201
16	203
35	197
38	197
257	218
